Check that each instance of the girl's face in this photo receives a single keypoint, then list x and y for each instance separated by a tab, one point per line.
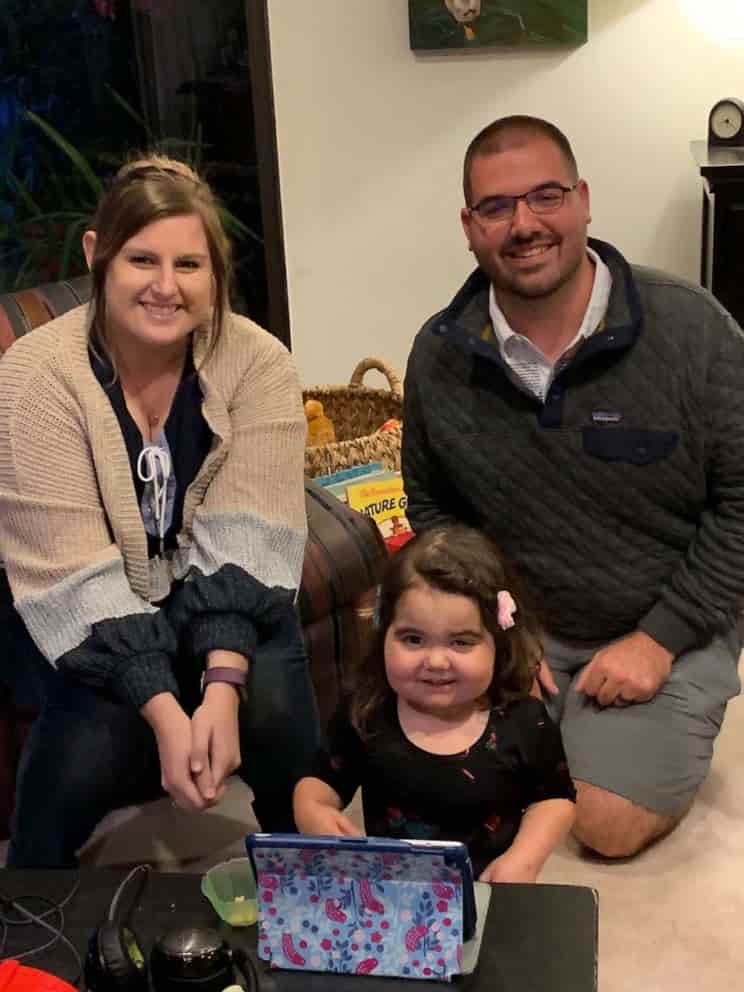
439	657
159	286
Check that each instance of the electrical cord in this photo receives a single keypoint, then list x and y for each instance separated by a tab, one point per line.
144	870
242	960
38	919
248	969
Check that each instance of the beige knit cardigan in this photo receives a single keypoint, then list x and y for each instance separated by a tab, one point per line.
71	533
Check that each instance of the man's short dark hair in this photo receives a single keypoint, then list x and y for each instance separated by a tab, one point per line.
507	132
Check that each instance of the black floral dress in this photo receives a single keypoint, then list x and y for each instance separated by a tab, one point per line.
477	796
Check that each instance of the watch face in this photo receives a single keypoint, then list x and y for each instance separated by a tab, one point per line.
726	120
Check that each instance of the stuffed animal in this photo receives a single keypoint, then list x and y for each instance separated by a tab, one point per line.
389	425
320	428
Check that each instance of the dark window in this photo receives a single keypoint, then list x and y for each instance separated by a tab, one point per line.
84	81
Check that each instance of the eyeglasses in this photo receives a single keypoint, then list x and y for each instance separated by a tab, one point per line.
543	200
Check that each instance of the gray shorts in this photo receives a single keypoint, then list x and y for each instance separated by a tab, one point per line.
658	753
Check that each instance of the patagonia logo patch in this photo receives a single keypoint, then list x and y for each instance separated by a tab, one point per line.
606	416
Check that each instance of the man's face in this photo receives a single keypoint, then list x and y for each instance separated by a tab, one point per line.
528	256
463	10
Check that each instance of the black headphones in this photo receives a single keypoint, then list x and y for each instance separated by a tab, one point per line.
115	960
195	958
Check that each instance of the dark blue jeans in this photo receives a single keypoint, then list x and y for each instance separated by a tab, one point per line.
87	754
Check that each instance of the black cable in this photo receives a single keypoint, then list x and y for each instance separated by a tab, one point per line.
144	870
56	931
39	919
244	961
248	969
55	905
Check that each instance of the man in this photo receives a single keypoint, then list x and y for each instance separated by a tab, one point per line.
587	414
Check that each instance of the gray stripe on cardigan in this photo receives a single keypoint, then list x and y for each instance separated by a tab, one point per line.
273	553
63	617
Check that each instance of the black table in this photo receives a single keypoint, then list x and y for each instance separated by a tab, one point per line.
538	938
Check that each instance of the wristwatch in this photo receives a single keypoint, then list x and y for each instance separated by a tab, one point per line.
233	676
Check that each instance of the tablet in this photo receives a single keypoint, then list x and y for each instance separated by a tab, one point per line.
364	905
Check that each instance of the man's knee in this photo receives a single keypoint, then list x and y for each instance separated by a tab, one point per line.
614	826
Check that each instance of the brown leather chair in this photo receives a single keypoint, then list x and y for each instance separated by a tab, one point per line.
344	560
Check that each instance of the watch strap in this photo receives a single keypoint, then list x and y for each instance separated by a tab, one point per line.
224	674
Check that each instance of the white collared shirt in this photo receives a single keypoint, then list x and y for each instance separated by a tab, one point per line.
526	362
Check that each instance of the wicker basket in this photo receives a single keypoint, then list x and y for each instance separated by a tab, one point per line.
358	412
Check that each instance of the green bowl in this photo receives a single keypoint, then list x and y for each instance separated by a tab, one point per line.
231	889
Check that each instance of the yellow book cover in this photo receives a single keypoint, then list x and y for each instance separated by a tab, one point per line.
385	501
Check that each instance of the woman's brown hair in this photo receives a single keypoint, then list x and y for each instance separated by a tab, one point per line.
145	190
460	560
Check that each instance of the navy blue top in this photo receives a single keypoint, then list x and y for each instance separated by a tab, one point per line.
187	432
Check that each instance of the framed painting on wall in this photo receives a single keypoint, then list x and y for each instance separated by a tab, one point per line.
471	24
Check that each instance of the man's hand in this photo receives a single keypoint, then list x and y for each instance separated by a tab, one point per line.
508	869
543	681
319	818
215	740
631	670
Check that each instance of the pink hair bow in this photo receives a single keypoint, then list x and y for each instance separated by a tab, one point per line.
506	609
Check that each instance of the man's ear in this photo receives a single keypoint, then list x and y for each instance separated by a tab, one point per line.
466	220
582	188
89	247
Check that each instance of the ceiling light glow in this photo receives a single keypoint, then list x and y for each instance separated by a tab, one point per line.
722	21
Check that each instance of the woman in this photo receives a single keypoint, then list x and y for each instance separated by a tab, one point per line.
152	526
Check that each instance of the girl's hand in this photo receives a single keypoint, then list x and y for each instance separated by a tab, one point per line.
172	729
318	818
215	741
508	869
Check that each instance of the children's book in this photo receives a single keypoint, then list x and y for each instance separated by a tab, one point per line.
340	489
348	475
385	501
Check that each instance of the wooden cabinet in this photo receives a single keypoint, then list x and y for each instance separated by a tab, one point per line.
722	254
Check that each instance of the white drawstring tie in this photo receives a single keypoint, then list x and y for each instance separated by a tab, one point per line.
157	470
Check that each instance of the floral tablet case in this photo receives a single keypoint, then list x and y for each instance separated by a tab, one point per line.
381	912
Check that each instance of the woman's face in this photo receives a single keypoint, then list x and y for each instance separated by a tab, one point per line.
159	286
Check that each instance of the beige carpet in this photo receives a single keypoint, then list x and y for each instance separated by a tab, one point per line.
671	920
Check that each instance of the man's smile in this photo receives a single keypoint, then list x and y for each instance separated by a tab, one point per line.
528	251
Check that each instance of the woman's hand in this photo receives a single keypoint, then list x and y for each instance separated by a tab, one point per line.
508	869
172	729
215	741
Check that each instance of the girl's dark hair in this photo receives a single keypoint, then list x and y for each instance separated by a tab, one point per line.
147	189
454	559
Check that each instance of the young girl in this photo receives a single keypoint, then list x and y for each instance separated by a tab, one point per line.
440	729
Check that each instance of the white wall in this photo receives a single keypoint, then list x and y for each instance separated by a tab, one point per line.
371	138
